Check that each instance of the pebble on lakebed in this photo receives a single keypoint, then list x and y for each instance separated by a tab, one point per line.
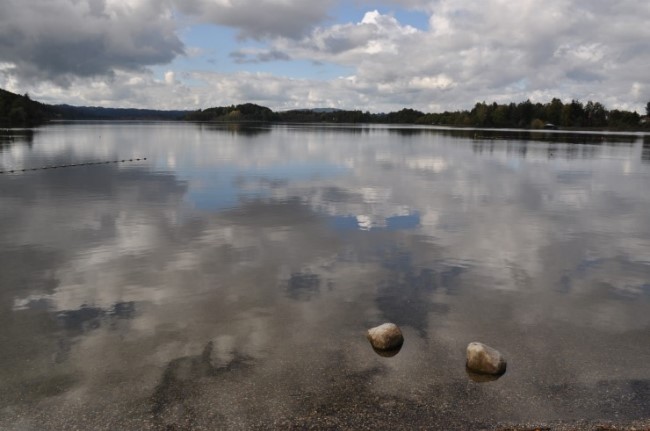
385	337
484	359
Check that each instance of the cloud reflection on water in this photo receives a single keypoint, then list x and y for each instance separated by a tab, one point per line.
546	257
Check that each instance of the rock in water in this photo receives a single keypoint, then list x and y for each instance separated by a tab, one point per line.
484	359
385	337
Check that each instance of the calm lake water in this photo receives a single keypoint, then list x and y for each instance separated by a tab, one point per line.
227	281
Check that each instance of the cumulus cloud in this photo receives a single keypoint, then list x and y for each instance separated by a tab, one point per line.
375	35
470	51
260	19
63	39
494	50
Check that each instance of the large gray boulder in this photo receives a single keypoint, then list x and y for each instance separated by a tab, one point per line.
385	337
485	360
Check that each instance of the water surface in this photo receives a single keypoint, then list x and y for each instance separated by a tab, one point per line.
227	280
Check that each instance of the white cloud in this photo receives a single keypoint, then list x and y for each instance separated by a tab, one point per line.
259	18
64	39
472	51
432	82
170	77
353	43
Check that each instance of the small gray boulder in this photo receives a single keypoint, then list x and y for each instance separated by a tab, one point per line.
385	337
485	360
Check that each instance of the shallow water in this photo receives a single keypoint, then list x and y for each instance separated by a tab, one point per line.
227	280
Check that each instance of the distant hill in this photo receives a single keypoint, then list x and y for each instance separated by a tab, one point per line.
245	112
67	112
22	111
324	110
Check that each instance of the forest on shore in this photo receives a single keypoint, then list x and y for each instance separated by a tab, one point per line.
573	115
20	111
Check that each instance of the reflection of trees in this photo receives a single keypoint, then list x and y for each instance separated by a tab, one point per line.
408	131
518	148
351	129
9	137
522	136
572	152
645	152
483	147
551	150
566	138
243	129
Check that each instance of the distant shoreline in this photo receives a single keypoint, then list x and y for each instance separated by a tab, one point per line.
21	111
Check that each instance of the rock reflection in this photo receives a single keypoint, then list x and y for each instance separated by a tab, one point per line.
482	378
388	353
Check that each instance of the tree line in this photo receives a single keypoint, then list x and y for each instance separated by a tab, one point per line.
21	111
244	112
68	112
513	115
537	115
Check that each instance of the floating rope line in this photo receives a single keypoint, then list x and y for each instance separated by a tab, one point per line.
71	165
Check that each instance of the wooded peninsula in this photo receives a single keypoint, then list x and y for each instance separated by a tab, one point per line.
20	111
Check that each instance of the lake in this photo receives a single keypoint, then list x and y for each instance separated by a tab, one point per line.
203	276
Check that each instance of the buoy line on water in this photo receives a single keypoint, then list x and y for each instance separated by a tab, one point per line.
72	165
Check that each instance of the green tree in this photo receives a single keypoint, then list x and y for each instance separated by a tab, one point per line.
596	114
554	111
480	114
18	116
526	112
499	116
623	119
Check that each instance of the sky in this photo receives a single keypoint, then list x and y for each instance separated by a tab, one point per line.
379	56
